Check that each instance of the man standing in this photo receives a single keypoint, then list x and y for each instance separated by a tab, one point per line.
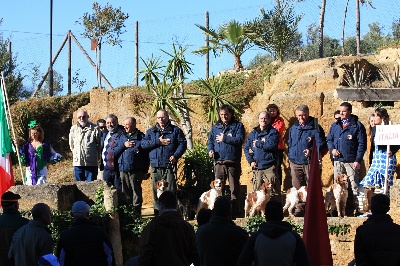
261	150
33	240
111	150
347	141
168	239
376	240
10	221
225	146
166	143
84	243
275	243
133	164
301	137
219	233
84	142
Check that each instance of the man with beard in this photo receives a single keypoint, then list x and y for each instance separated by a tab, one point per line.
84	142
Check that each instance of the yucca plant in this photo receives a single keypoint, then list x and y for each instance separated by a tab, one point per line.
392	79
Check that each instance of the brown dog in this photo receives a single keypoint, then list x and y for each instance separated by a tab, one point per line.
256	200
161	186
207	199
336	196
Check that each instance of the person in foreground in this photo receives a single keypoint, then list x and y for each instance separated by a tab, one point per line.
84	243
168	239
220	233
376	240
275	243
10	221
33	240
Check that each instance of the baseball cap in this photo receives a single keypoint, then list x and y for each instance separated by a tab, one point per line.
10	197
80	207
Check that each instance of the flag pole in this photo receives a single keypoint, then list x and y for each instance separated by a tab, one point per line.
12	125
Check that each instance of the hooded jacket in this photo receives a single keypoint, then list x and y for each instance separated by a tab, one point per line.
350	141
159	154
302	137
274	244
264	153
230	149
168	240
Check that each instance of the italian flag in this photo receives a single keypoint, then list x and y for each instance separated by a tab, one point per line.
6	173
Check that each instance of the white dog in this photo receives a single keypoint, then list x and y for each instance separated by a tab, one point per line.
207	199
256	200
294	196
336	196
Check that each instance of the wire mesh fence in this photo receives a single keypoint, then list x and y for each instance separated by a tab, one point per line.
118	63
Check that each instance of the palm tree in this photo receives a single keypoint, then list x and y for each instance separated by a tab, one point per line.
231	37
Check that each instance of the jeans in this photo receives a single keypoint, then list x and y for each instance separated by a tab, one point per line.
85	173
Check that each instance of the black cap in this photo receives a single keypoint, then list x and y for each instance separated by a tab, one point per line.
10	197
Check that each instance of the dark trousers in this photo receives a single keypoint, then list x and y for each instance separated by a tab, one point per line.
300	174
157	174
229	170
132	188
279	161
112	178
267	175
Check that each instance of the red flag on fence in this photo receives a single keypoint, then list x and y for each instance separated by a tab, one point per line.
315	234
6	173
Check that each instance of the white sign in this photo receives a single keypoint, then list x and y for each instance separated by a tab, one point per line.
387	135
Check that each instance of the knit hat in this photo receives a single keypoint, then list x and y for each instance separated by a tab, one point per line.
80	207
49	260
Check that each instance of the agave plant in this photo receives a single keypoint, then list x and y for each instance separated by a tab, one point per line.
356	77
392	78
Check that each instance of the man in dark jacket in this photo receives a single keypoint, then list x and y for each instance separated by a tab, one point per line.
301	137
133	164
275	243
111	150
33	240
84	243
10	221
225	146
261	150
376	240
220	241
168	239
347	142
165	143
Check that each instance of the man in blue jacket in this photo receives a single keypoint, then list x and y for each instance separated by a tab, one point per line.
301	137
165	143
225	146
261	150
347	141
133	164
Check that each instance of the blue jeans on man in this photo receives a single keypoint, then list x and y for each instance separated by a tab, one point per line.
85	173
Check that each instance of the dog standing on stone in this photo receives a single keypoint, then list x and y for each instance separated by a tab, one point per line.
256	200
293	197
336	196
207	199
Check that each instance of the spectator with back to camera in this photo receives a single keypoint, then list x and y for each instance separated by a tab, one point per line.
36	153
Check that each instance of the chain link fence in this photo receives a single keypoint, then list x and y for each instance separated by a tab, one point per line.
118	63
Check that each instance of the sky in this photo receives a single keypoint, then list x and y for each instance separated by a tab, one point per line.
161	23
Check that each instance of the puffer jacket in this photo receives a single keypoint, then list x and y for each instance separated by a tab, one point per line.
264	154
168	240
301	138
135	158
159	154
279	124
230	149
274	244
350	141
85	144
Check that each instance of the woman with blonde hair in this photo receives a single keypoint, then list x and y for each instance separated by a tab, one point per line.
36	154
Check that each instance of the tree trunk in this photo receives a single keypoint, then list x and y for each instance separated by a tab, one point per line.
238	63
185	121
344	24
358	26
321	30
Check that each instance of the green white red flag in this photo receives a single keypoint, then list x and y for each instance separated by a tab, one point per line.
6	173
